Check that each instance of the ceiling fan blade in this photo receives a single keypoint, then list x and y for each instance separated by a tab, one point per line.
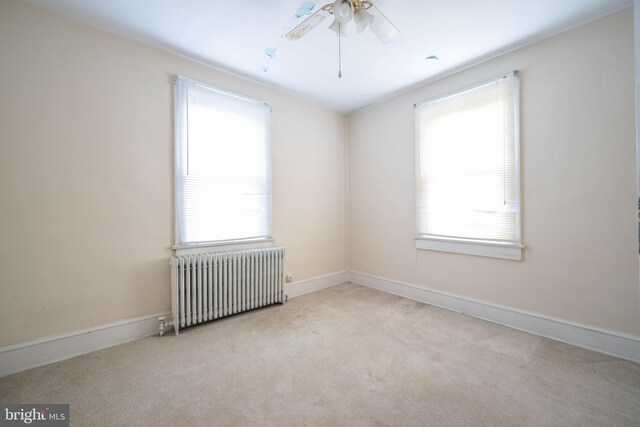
307	25
381	26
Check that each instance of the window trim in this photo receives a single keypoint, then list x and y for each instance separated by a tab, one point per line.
187	248
487	248
229	246
223	243
468	246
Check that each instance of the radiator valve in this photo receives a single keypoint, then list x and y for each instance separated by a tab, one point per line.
163	326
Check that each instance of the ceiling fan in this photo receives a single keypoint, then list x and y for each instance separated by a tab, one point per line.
343	12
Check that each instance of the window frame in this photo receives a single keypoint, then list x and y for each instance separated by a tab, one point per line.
511	250
179	246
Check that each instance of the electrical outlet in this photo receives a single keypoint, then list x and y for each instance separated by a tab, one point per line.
289	278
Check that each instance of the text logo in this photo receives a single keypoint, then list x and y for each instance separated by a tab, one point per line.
34	415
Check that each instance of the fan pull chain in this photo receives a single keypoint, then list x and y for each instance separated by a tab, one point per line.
339	50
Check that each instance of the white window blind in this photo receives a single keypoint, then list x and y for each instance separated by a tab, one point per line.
223	165
467	166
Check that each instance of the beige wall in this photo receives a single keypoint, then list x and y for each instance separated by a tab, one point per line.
86	175
579	185
86	179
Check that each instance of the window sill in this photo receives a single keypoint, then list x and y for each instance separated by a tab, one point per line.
222	246
493	249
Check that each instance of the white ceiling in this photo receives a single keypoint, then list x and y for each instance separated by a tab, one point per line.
233	35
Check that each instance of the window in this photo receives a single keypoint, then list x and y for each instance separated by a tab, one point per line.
468	171
223	166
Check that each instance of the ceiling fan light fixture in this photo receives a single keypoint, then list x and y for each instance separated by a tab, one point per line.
382	27
363	19
340	30
343	11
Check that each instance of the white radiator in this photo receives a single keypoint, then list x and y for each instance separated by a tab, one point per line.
211	285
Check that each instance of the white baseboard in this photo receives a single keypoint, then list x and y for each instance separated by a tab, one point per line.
592	338
302	287
19	357
40	352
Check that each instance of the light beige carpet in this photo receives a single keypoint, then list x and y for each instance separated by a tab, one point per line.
344	356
